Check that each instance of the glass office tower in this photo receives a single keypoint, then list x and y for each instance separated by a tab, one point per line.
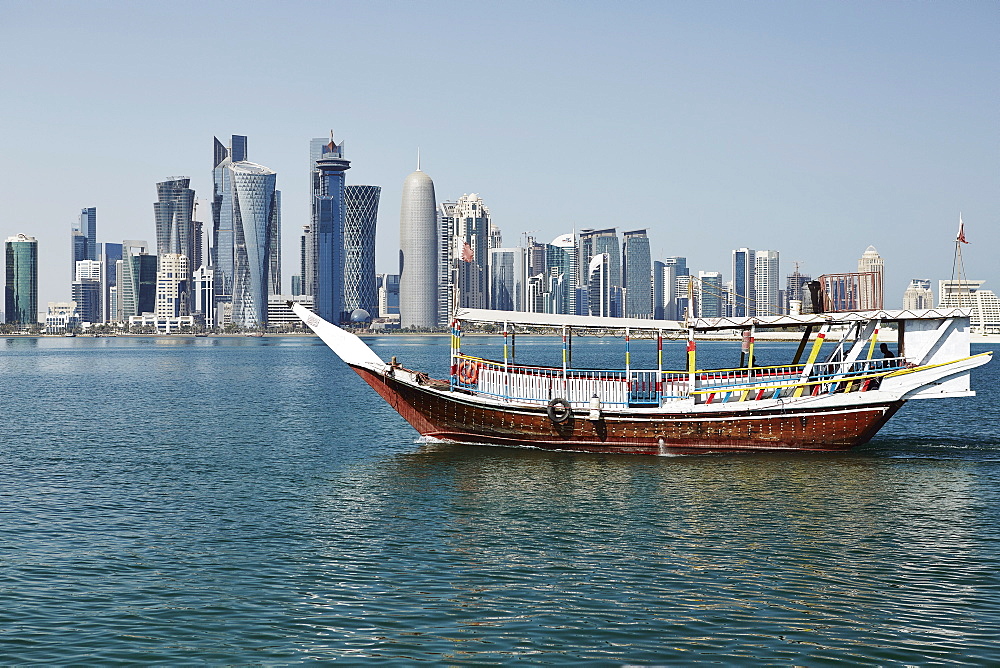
360	290
21	289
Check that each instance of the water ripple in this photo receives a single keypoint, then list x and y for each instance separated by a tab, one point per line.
243	503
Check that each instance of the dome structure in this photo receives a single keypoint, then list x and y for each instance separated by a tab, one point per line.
360	315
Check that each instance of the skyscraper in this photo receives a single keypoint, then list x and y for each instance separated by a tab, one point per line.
561	258
637	274
871	292
88	228
388	294
507	279
675	279
710	294
472	228
174	214
223	234
173	290
599	285
360	290
87	290
137	282
175	235
418	253
203	290
447	265
21	289
661	292
796	289
327	229
307	260
594	242
256	223
743	283
110	255
766	283
918	295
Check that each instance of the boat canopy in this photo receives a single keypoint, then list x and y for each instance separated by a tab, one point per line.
559	320
519	318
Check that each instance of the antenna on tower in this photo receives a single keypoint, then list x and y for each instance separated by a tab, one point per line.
418	158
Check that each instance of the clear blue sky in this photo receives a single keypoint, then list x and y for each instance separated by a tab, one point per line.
814	129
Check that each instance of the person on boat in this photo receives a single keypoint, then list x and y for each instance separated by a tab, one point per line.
887	355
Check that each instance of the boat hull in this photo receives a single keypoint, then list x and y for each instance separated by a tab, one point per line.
454	416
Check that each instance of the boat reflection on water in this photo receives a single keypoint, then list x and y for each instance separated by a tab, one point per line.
776	549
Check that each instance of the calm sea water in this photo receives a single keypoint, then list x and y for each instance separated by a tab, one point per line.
251	501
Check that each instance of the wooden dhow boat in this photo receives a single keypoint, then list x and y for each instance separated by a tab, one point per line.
835	394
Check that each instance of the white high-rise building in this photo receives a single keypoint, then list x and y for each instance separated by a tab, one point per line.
918	295
172	290
969	294
870	298
87	290
473	236
418	253
446	261
599	285
766	283
560	258
204	294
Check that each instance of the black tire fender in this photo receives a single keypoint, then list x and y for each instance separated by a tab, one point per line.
559	410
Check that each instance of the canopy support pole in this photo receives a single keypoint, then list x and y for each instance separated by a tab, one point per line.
691	361
659	367
506	367
565	353
802	344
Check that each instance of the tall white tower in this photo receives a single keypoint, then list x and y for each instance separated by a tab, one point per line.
766	283
871	296
418	252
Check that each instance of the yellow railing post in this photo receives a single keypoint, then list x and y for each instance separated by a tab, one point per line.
691	361
813	354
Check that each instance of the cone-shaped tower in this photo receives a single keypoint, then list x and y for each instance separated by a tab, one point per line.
418	248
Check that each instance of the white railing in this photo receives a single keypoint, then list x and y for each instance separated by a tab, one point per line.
643	387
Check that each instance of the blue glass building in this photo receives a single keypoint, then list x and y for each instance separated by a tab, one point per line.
743	283
109	254
328	226
21	289
88	228
637	271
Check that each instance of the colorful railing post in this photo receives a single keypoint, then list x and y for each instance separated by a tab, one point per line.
659	367
813	354
691	361
454	353
628	368
565	352
871	346
506	366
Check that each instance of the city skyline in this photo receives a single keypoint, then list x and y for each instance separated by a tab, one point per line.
719	141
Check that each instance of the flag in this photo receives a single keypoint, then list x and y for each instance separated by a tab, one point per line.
961	230
467	255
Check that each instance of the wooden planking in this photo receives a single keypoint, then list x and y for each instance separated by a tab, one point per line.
448	416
